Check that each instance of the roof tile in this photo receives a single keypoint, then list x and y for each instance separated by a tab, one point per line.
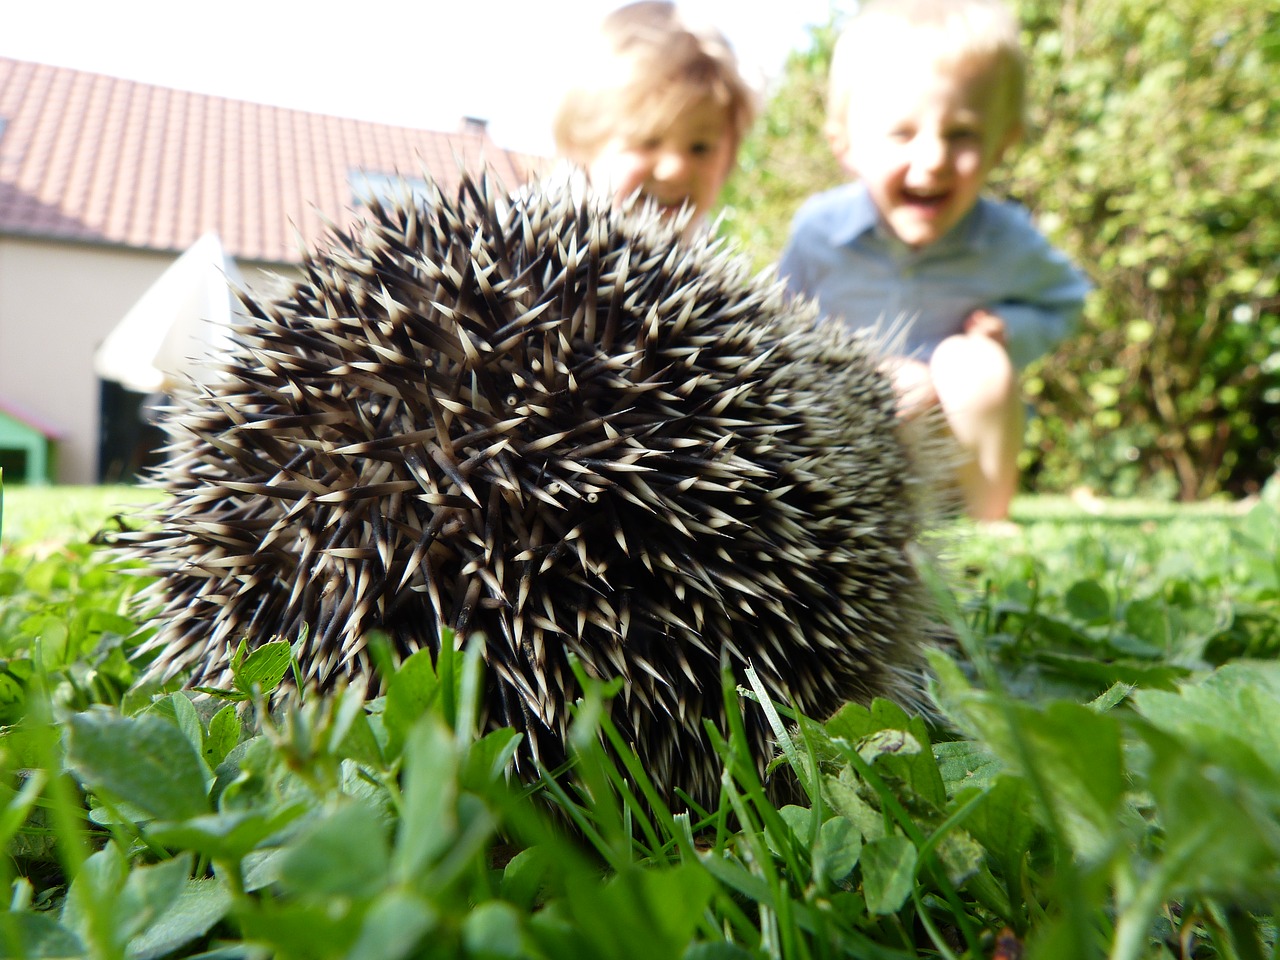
88	157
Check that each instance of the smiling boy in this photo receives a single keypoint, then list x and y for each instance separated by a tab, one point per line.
925	98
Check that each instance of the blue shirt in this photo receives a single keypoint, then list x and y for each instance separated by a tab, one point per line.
842	254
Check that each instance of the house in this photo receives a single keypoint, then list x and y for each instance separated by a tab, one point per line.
26	442
105	182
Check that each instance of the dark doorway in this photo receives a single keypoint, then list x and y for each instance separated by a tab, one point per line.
129	441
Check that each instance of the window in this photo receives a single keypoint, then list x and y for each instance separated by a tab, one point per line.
367	185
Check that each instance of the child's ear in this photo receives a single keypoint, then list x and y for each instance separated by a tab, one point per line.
838	139
1012	137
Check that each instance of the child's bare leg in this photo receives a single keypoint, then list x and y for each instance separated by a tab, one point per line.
977	388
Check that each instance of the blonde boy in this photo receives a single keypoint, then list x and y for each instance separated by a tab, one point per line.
925	98
661	109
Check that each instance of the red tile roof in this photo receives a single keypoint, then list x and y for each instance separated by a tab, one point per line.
92	158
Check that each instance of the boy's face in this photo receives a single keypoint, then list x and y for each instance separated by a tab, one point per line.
688	160
923	140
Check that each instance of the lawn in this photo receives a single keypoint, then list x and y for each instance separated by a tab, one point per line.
1102	778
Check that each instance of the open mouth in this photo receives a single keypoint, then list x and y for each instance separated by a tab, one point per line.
925	201
669	206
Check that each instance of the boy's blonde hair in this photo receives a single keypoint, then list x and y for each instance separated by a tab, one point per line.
649	65
943	32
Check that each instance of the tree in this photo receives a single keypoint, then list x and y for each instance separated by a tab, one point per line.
786	158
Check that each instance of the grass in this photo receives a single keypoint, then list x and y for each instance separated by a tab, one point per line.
41	513
1103	781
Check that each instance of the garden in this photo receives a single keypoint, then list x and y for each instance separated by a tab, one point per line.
1102	778
1099	775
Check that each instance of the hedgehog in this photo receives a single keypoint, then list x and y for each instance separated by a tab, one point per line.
563	431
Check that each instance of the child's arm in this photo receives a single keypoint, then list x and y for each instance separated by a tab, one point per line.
1042	310
1034	289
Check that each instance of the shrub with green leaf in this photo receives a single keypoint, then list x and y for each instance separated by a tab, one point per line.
785	158
1153	165
1102	779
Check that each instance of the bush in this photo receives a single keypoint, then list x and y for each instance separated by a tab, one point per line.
1104	780
1155	169
786	157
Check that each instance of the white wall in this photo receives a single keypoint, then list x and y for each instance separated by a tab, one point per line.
57	302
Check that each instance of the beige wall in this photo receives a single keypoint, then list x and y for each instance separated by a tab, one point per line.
57	303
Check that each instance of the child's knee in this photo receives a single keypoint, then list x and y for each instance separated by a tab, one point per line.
973	372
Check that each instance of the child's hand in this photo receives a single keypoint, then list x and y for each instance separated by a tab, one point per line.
913	385
983	323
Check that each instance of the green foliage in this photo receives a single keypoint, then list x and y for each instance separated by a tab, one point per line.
65	611
1152	163
785	158
1103	779
1151	166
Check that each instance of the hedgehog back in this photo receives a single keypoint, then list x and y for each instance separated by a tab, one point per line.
558	428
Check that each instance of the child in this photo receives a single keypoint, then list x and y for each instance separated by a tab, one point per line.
925	97
660	108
